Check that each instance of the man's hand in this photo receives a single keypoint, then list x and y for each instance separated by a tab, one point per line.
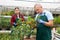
49	23
41	21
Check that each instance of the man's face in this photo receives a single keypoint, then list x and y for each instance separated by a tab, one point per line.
38	9
17	11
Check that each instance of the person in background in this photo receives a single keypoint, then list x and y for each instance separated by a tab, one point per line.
16	16
44	21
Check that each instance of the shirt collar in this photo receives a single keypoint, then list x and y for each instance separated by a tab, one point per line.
41	14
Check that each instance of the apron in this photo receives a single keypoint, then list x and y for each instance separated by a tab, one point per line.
43	31
17	18
16	21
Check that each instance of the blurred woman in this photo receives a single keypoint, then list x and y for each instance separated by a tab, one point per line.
16	16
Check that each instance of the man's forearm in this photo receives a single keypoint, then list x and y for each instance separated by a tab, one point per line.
49	24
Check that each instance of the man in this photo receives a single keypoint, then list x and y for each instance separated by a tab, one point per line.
44	21
16	16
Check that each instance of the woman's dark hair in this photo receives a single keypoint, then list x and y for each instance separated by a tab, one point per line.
16	8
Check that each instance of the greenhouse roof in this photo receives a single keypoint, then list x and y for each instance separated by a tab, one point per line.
30	4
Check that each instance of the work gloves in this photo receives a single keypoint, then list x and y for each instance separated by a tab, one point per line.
40	21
